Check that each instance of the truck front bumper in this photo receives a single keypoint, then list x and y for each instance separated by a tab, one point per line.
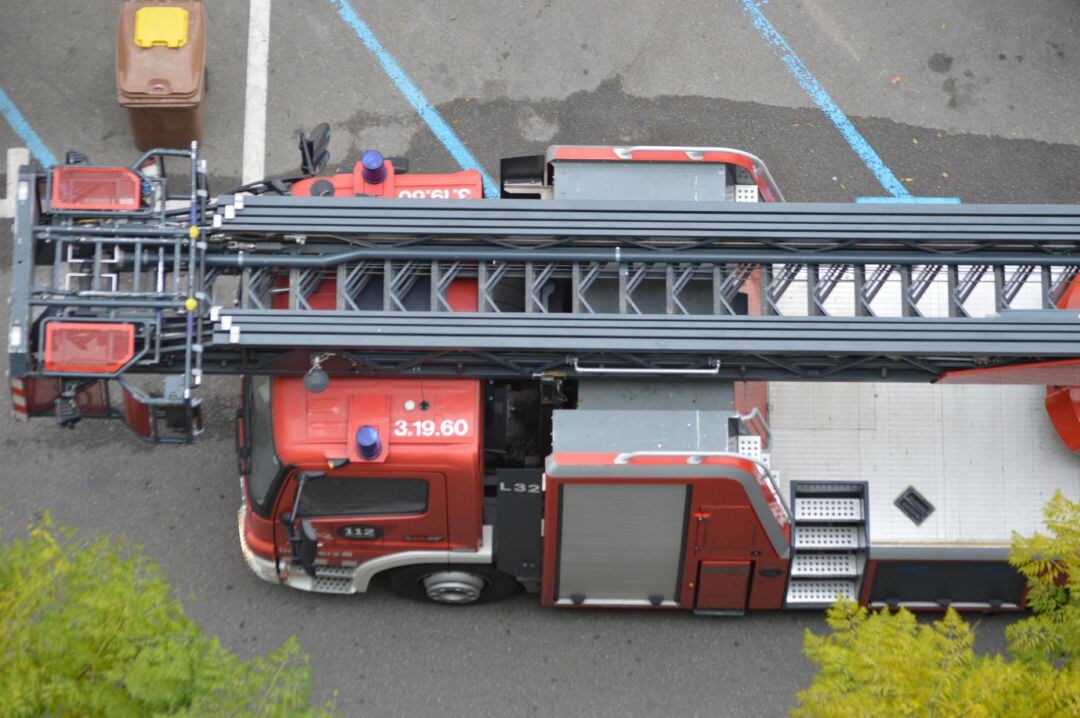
261	567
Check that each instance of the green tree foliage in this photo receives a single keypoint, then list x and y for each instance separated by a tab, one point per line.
92	630
890	664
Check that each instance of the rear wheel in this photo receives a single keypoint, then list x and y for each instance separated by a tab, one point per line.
452	585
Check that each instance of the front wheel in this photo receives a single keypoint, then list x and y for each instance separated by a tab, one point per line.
452	585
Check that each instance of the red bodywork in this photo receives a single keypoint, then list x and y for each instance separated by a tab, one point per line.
311	431
1063	402
467	184
728	563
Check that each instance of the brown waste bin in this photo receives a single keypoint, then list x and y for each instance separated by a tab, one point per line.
160	70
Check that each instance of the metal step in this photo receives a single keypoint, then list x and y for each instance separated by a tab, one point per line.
835	538
810	488
817	593
334	579
828	509
824	565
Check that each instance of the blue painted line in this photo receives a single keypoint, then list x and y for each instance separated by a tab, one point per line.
25	131
413	94
907	200
821	98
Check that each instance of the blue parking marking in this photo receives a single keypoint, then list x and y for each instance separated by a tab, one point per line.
821	98
907	200
412	93
25	132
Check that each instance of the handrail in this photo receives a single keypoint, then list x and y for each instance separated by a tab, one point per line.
755	413
698	457
715	369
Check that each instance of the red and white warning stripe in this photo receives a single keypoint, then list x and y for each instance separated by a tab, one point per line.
18	398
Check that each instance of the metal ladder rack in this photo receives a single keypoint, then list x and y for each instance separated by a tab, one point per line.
654	258
558	288
141	268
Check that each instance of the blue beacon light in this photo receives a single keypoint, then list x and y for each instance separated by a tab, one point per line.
367	441
373	167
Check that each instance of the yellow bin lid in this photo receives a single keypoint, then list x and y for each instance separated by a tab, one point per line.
165	26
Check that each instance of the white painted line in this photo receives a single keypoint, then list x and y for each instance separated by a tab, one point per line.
255	100
16	158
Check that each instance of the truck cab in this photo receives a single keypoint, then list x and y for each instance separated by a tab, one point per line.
362	478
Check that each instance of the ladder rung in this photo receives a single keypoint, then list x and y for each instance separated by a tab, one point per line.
824	565
827	537
814	594
828	509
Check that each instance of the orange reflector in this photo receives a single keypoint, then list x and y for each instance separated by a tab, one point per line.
95	347
95	188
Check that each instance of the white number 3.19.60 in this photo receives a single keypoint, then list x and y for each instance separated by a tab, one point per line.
430	427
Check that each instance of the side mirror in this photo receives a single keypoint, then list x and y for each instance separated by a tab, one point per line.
309	546
314	150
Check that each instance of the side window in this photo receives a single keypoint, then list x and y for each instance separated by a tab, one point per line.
262	465
354	496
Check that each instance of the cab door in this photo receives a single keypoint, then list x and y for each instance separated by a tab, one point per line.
358	518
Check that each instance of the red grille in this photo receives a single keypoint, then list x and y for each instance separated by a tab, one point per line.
95	188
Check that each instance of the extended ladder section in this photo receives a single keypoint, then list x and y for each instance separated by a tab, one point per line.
525	288
581	287
829	542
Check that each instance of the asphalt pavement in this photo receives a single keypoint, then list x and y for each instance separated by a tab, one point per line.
973	99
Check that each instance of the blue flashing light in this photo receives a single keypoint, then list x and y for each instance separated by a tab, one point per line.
367	441
373	167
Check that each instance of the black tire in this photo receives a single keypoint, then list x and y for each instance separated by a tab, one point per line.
491	585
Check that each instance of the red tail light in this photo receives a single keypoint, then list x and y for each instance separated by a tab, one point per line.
99	188
95	347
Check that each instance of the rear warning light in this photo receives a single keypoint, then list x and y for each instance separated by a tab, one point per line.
93	347
95	188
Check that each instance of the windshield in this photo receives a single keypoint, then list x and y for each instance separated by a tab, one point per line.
263	466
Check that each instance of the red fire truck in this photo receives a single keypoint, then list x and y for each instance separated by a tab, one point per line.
564	389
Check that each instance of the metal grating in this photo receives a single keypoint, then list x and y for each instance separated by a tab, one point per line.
819	593
750	446
746	193
820	565
914	505
333	579
819	487
828	509
827	537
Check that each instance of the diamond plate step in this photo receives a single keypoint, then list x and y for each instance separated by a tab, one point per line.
817	594
836	538
824	565
333	579
830	509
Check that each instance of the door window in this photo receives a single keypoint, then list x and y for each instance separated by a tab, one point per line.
356	496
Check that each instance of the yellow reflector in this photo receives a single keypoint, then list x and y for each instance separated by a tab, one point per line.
161	26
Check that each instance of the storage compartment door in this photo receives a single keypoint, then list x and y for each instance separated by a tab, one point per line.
722	586
621	544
